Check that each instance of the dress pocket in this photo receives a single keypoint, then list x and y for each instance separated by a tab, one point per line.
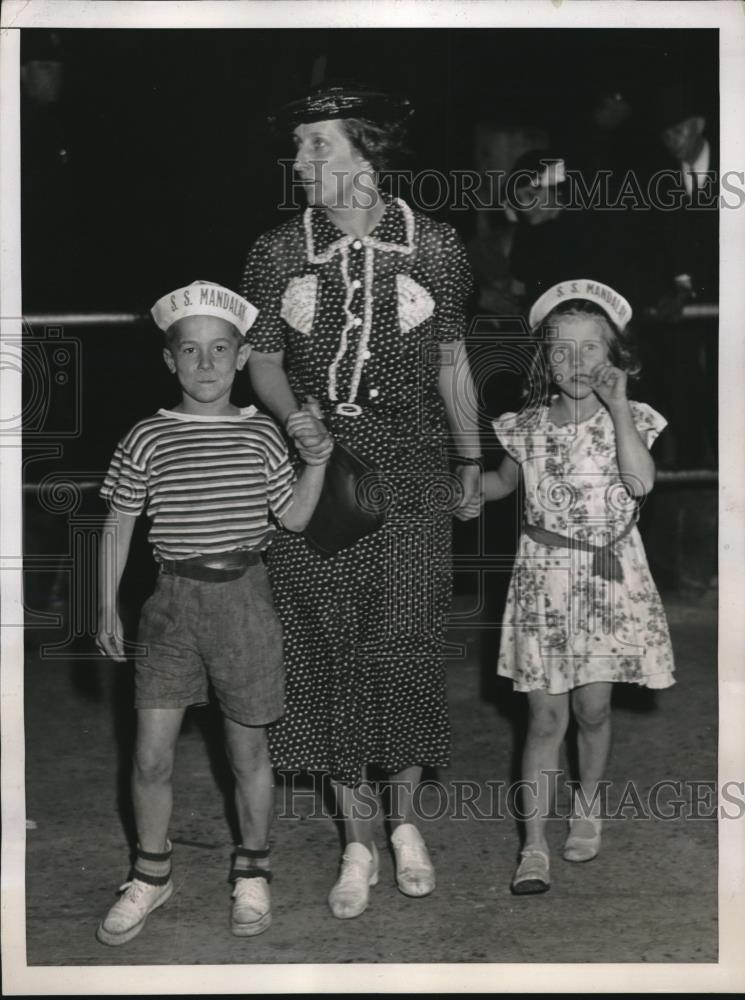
299	303
415	304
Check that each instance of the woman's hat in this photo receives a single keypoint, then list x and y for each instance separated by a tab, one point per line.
615	305
342	99
204	298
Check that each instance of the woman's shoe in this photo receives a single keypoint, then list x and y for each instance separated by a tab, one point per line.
415	874
532	875
351	892
583	842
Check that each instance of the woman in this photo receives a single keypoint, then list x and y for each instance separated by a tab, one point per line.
362	308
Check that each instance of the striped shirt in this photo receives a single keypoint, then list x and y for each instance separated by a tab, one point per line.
207	483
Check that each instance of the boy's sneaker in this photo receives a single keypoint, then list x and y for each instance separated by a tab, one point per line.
127	916
252	905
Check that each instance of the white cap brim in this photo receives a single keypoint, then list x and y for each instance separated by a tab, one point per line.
614	304
203	298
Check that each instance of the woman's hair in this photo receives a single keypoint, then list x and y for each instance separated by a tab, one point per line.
382	143
622	352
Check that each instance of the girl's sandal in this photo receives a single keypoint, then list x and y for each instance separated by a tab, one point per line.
583	847
532	875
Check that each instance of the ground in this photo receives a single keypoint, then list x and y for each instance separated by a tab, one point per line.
651	895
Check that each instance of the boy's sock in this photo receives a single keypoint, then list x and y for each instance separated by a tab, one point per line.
250	863
155	869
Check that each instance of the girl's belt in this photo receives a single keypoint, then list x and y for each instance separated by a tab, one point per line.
605	562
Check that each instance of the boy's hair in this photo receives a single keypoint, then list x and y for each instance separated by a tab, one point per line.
171	333
622	351
382	143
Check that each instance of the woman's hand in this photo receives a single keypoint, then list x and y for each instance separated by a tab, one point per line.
473	500
609	384
312	440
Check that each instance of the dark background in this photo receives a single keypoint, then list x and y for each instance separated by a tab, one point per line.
153	167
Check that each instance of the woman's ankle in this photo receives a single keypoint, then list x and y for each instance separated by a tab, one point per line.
535	840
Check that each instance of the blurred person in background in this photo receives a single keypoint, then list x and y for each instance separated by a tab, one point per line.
682	269
556	235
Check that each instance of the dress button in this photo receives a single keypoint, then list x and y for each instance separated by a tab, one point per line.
366	355
373	393
356	283
357	244
357	321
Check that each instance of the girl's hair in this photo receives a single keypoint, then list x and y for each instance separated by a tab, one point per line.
622	352
382	143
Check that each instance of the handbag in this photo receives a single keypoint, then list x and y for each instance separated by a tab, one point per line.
348	508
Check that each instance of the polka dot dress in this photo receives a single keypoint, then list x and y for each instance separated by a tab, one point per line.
360	322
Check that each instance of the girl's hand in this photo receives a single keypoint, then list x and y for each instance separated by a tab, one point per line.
609	384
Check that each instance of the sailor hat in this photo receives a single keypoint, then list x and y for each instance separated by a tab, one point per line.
204	298
615	305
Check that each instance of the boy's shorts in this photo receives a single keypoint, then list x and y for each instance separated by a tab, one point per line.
227	633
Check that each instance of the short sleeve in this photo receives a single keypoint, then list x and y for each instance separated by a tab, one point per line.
647	421
262	284
511	435
455	283
280	474
125	485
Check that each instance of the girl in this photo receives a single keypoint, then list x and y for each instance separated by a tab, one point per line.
582	610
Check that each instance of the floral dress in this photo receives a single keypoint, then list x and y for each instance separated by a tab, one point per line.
564	624
360	322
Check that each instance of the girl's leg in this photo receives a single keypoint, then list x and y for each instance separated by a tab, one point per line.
152	791
591	707
548	717
254	782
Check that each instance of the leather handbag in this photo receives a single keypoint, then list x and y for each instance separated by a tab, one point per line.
348	508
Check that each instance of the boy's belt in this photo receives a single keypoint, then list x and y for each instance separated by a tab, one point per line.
218	568
605	562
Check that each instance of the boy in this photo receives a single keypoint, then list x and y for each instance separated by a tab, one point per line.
209	474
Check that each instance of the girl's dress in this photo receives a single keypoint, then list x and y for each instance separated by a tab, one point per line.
565	623
360	322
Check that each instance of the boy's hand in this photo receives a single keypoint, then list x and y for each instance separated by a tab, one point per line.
609	384
313	441
111	643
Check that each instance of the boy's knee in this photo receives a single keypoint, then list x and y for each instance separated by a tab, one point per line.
247	750
153	767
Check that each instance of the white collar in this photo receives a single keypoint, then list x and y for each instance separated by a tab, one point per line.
245	412
323	238
701	164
